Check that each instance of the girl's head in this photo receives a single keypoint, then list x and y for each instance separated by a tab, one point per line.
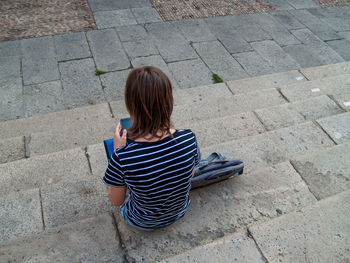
149	100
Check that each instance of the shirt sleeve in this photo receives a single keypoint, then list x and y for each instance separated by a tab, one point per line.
114	175
197	154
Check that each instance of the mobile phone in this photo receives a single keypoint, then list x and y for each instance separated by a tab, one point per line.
126	123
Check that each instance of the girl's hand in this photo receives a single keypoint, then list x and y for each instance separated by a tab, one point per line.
119	137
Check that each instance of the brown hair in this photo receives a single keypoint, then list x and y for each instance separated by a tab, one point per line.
149	100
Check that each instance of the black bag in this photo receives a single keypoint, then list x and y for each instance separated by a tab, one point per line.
215	169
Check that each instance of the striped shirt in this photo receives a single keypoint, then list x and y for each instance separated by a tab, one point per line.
158	176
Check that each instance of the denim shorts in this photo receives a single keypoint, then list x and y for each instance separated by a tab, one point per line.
123	211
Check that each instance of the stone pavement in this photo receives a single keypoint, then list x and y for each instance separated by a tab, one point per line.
283	109
53	73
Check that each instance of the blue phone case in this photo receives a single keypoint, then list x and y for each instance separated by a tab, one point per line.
109	148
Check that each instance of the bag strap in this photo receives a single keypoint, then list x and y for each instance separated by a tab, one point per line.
217	157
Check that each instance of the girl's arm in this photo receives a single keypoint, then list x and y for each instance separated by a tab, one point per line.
116	195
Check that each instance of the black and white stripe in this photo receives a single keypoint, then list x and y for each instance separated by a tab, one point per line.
158	176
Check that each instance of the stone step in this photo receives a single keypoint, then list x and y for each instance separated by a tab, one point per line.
12	149
289	114
257	150
225	208
240	246
94	129
274	146
38	171
265	81
326	71
337	127
220	107
337	85
89	240
237	247
325	172
67	195
231	127
98	114
83	116
317	233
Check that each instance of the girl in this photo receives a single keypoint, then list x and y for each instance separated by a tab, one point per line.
152	161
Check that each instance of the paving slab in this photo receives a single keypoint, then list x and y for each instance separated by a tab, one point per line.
337	127
43	170
71	137
55	121
308	55
195	30
294	113
345	35
97	158
220	107
12	149
326	172
313	52
10	67
97	5
326	71
190	73
253	63
265	82
247	198
300	139
252	33
170	43
207	92
10	48
301	4
342	47
338	23
216	131
71	46
107	50
43	98
132	33
343	100
73	201
114	84
224	29
287	20
326	86
113	18
146	15
237	247
219	61
156	61
279	116
280	5
11	104
20	215
277	31
317	107
256	151
275	55
140	48
80	85
305	235
39	62
318	27
90	240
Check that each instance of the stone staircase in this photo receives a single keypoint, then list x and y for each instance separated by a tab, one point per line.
291	129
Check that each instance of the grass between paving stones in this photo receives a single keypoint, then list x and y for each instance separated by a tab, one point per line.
99	72
216	78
